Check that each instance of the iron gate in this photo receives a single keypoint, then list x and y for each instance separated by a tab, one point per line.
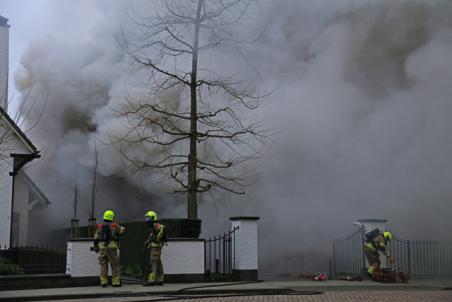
418	258
219	256
348	254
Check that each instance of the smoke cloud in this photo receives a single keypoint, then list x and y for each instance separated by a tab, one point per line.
360	116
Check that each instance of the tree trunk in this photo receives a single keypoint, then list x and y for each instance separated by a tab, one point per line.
192	157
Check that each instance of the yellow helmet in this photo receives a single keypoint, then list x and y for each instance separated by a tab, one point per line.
152	215
388	235
109	215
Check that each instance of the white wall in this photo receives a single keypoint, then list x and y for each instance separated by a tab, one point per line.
9	143
183	257
6	187
20	205
4	58
80	261
246	244
5	161
179	257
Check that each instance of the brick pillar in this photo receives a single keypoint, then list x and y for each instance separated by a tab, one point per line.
245	247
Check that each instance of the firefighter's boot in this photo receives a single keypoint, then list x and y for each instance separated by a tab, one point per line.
160	279
103	281
152	279
116	281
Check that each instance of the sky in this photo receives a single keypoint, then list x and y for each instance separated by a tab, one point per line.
360	111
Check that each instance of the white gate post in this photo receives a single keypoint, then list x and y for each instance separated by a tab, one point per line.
81	261
245	263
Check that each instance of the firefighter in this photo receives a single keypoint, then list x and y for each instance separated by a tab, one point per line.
155	241
106	240
375	243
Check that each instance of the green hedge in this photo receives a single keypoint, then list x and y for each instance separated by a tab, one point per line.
9	268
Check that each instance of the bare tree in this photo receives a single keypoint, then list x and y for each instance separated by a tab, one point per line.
92	219
75	200
192	117
94	184
75	204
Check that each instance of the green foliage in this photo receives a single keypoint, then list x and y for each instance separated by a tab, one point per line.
217	277
132	270
9	268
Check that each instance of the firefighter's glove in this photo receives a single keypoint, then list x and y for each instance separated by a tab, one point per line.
146	243
96	246
390	259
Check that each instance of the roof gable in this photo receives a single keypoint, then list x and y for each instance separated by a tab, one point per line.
20	134
37	199
3	21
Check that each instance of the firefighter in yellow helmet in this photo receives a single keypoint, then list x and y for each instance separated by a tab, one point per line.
106	240
155	241
376	243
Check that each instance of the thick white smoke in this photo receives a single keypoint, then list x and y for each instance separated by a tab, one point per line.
361	117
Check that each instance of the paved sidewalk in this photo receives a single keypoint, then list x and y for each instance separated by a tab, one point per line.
334	296
285	290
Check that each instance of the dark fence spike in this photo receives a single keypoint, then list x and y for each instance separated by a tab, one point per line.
220	254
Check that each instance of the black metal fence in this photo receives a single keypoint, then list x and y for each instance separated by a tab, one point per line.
219	255
39	259
134	257
417	258
348	254
422	258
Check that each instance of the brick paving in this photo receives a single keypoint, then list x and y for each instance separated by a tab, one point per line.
329	296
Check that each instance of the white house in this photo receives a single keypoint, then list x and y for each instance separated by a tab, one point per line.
19	196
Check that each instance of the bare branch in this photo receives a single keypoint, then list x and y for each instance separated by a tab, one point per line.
216	184
149	63
75	200
179	40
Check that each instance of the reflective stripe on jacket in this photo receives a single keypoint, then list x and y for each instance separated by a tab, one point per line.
156	239
377	244
115	231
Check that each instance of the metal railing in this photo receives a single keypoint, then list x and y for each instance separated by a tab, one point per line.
348	254
417	258
36	259
422	258
219	254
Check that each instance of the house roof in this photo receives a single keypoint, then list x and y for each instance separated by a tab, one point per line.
39	199
3	21
25	140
